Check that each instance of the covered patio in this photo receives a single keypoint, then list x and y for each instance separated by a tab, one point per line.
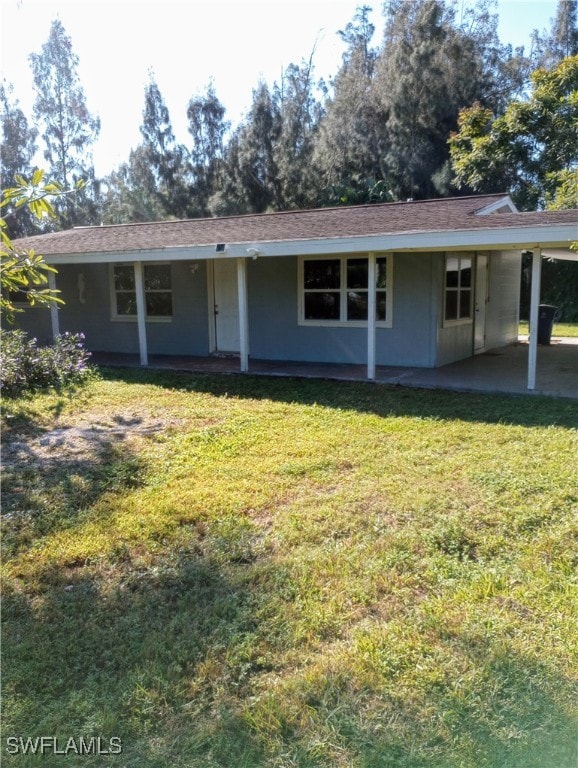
503	370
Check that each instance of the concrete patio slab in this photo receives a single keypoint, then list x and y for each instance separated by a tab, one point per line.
502	370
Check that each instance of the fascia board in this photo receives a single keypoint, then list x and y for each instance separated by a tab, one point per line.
514	238
118	257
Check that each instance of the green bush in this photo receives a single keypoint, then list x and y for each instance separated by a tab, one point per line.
27	367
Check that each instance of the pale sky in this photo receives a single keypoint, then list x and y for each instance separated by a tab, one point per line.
189	43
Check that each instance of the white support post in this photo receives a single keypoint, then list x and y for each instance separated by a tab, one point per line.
141	312
534	304
54	319
371	314
243	314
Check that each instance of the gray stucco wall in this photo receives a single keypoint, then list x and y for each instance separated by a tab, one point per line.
36	322
275	333
186	334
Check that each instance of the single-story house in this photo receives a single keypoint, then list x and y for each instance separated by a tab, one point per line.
419	283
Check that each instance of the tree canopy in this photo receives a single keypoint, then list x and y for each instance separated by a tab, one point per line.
531	150
435	105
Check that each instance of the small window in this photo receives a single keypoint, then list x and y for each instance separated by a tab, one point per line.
336	290
17	298
125	291
158	293
322	284
157	289
458	288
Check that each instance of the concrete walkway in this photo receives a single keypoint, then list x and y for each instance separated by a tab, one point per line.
502	370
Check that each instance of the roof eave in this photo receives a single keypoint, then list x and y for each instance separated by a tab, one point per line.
511	238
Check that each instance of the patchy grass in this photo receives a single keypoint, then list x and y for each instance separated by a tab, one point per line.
566	330
243	572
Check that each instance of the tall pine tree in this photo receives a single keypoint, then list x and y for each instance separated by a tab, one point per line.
250	183
67	128
130	192
299	112
207	126
384	135
346	150
166	159
549	48
17	149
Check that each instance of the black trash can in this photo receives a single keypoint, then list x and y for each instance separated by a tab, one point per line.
546	315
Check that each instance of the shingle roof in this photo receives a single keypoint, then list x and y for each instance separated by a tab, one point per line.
445	214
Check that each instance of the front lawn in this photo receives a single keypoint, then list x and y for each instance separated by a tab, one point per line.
240	572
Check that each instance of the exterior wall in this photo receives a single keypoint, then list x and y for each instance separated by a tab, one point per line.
89	311
417	336
36	322
275	333
503	308
456	342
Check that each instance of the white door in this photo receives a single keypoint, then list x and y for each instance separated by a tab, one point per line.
481	300
227	338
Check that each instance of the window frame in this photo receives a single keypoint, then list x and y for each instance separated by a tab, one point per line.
19	303
459	290
121	318
343	291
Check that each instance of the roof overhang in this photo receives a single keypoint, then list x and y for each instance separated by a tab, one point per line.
549	238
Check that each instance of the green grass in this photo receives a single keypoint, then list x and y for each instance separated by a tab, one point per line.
292	573
566	330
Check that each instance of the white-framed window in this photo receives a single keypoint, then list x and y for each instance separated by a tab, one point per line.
334	290
17	298
458	288
157	289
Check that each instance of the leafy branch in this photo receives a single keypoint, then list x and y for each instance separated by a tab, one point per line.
24	273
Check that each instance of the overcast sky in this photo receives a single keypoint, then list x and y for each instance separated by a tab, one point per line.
188	44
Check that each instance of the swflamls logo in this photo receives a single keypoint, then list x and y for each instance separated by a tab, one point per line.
53	745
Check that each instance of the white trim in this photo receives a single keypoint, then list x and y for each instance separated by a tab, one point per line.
54	319
458	320
211	306
141	312
534	311
387	323
505	202
243	314
508	238
371	307
481	314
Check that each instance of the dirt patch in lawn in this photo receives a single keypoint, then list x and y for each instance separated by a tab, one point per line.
81	441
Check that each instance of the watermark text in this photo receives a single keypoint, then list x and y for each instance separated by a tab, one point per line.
54	745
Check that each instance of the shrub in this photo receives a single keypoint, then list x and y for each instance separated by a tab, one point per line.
27	367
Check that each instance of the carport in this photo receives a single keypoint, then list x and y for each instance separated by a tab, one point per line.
538	255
